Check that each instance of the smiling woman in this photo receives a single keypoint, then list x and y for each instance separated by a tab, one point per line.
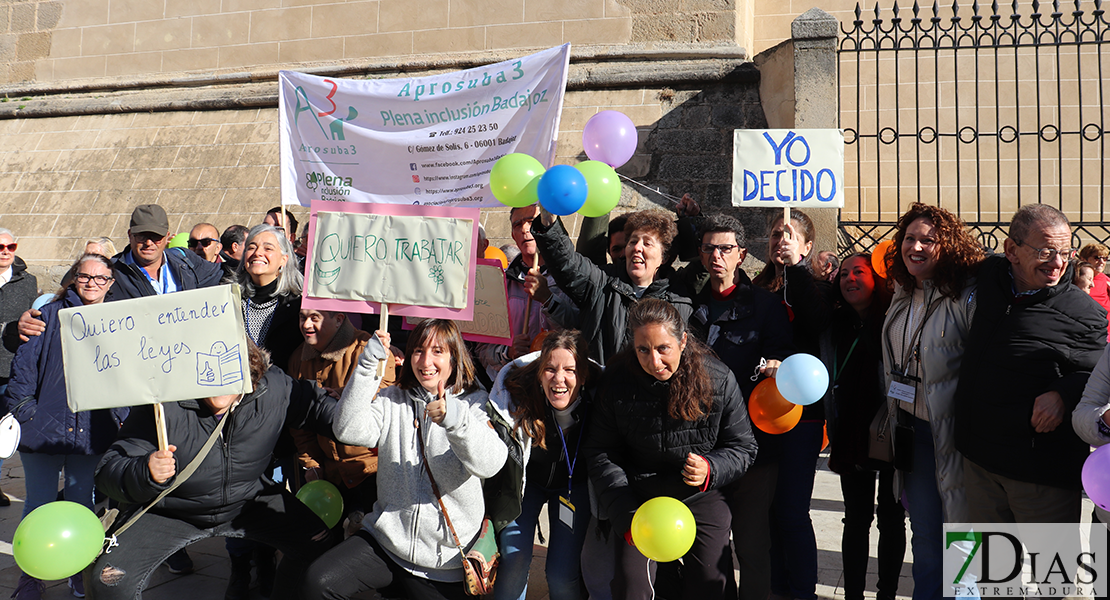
272	292
932	264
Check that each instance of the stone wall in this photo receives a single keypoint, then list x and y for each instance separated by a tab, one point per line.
65	179
68	40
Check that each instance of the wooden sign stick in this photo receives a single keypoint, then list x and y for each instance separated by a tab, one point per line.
160	426
383	324
785	220
528	305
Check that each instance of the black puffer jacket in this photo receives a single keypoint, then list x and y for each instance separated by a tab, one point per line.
602	299
232	472
16	296
635	451
189	270
1018	349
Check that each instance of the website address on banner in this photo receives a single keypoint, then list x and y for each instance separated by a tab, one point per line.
455	190
460	163
455	177
453	201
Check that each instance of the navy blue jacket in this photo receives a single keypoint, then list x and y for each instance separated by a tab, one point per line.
189	270
37	396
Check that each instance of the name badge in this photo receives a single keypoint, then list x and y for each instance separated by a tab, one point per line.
901	391
566	512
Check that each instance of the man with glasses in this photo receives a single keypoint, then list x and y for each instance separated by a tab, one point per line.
749	330
146	268
204	239
1034	340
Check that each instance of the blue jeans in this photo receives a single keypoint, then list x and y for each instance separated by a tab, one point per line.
793	543
926	515
564	548
41	477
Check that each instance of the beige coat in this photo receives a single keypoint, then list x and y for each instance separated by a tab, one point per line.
942	349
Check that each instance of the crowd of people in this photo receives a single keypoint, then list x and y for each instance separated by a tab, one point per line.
627	379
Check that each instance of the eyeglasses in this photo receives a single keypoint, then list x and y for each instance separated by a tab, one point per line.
100	280
725	249
9	247
1047	254
204	242
1102	258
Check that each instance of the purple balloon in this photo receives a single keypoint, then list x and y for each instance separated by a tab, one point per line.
610	137
1096	477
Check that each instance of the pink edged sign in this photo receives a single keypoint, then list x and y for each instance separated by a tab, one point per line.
491	307
418	260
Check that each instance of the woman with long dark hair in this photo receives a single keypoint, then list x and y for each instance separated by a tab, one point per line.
432	425
853	346
669	421
545	398
933	262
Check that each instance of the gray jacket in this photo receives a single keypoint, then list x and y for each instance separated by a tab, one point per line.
1095	402
942	349
461	451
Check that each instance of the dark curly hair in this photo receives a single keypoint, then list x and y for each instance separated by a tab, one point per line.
690	395
660	223
530	404
958	257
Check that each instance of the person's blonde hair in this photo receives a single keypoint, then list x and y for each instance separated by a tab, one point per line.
1091	250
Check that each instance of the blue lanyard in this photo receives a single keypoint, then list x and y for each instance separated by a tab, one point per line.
566	452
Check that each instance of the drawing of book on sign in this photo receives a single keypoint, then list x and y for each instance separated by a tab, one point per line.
222	367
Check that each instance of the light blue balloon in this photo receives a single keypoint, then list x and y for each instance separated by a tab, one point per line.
802	379
562	190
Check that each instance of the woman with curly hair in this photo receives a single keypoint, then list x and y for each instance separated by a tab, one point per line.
932	263
669	420
545	399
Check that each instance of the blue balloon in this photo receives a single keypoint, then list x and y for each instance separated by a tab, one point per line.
802	379
562	190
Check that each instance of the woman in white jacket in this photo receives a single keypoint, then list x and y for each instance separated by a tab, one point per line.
433	419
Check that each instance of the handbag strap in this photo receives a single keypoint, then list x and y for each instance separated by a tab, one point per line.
180	479
435	488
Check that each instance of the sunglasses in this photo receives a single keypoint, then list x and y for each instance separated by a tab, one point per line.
9	247
204	242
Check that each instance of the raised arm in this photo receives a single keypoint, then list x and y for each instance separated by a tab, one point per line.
360	418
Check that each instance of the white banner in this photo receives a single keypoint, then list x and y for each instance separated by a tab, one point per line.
431	140
798	168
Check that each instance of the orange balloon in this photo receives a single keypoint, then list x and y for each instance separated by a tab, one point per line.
494	252
770	412
537	343
878	257
825	436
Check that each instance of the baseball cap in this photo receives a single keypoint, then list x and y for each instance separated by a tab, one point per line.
149	218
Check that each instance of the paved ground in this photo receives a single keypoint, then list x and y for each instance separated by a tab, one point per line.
210	578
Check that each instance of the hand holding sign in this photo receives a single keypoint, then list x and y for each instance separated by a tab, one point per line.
162	464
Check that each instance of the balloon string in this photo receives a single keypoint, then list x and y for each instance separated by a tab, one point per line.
650	584
673	199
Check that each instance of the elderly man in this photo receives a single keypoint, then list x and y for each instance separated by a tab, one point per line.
18	290
204	239
1034	340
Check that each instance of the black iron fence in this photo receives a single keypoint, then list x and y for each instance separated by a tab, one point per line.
978	110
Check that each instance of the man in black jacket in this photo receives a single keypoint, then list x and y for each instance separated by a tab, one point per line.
227	496
1034	339
146	267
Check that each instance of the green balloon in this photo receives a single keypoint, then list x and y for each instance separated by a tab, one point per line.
663	529
57	540
513	174
180	240
603	185
324	499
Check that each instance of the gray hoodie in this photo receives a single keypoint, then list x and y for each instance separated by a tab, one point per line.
462	450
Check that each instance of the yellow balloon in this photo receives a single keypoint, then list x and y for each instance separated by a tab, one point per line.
663	529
